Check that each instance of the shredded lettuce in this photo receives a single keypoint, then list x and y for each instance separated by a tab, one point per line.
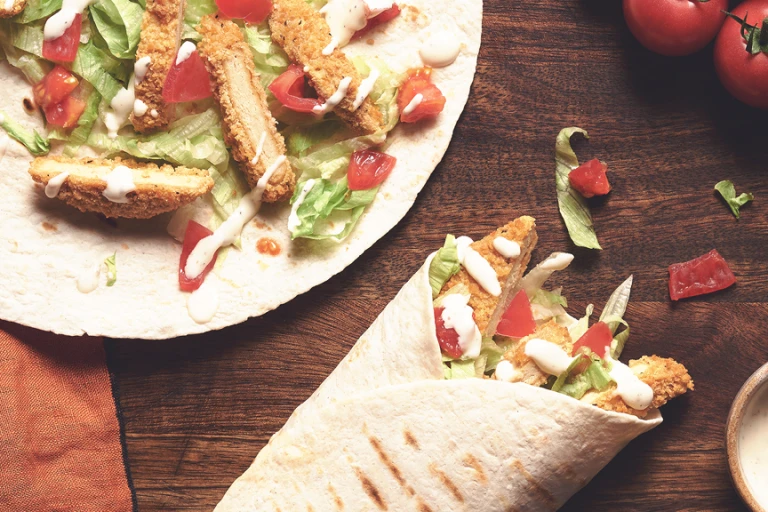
444	265
111	264
734	202
33	141
37	10
384	93
119	24
301	138
594	377
193	13
460	370
573	207
270	60
577	330
548	299
617	305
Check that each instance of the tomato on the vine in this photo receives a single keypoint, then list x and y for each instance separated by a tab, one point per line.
742	70
674	27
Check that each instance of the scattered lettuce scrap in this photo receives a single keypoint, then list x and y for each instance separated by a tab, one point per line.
33	141
734	202
111	264
594	377
613	314
444	265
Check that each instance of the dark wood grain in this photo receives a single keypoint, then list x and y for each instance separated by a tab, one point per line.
198	409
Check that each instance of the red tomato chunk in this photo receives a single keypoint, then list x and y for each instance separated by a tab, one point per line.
447	338
419	81
368	169
705	274
64	48
598	339
589	179
517	321
188	81
194	233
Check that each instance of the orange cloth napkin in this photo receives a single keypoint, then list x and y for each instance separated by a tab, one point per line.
60	445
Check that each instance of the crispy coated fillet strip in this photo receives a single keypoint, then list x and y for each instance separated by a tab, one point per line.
158	189
16	8
488	309
667	378
160	37
527	371
303	33
243	102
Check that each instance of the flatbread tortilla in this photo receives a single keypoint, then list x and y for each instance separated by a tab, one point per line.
45	245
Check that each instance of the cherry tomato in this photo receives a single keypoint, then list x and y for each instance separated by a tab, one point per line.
589	179
54	87
674	27
188	81
388	15
194	233
368	169
64	48
705	274
598	339
447	338
288	88
419	81
517	321
252	11
66	113
744	74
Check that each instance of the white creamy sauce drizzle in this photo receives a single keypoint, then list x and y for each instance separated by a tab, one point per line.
62	20
228	232
53	186
413	104
336	98
477	266
259	148
122	105
203	303
119	184
141	67
306	69
440	49
635	393
9	4
457	315
505	247
506	371
185	51
753	445
154	113
366	86
344	18
139	108
557	261
88	280
293	218
549	357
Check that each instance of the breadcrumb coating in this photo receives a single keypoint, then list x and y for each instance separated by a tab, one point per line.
527	371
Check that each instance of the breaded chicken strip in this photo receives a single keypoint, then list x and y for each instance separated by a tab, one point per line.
488	309
161	30
16	7
526	370
158	189
667	378
303	33
249	128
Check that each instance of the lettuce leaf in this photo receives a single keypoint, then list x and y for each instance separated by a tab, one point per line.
444	265
594	377
577	330
613	314
460	370
119	24
573	207
384	92
270	60
193	13
111	264
728	191
37	10
33	141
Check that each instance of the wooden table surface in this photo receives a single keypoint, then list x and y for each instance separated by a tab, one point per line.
198	409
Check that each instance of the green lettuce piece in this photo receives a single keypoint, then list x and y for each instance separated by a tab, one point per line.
573	207
461	370
547	298
490	355
734	202
594	377
111	264
619	340
301	138
33	141
32	67
270	60
106	74
330	161
193	13
564	376
119	25
581	327
444	265
37	10
617	305
384	92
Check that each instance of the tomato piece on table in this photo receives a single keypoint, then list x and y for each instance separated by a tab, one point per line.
64	48
517	321
419	81
598	339
368	169
589	179
187	81
288	88
705	274
66	113
54	87
381	18
194	233
448	338
252	11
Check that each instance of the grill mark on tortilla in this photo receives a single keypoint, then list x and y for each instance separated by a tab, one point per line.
423	507
471	460
371	489
336	498
540	491
390	465
411	440
310	508
49	227
447	482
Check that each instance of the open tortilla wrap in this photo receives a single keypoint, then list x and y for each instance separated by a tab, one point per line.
386	432
46	245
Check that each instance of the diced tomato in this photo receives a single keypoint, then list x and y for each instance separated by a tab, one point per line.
64	48
368	169
188	81
388	15
54	87
288	88
517	321
252	11
419	81
705	274
598	339
447	338
589	179
194	233
66	113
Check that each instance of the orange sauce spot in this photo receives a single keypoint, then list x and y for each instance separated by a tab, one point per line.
267	245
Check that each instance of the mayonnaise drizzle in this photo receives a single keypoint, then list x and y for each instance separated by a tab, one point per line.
458	315
506	371
440	49
53	186
122	105
557	261
344	18
228	232
9	4
366	86
635	393
154	113
62	20
119	184
139	108
185	51
550	358
505	247
478	267
293	218
413	104
336	98
88	280
259	148
203	303
141	67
